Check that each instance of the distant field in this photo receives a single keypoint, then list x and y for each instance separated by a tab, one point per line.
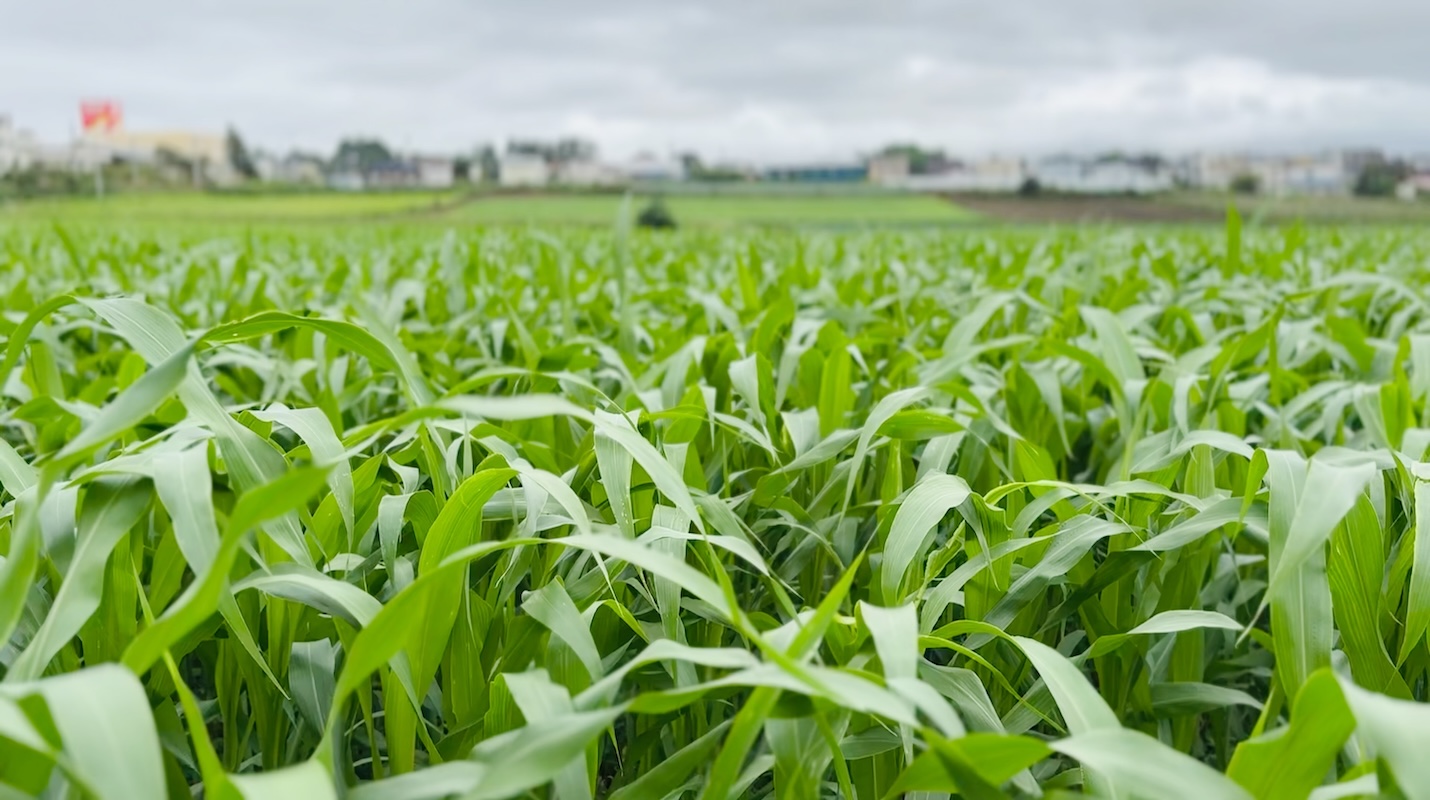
1309	209
832	210
855	209
457	208
213	207
1190	207
1052	209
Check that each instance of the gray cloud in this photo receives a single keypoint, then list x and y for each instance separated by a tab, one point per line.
740	78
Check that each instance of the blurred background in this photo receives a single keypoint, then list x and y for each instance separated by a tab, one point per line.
838	113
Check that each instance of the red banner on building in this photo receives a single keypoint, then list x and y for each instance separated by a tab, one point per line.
100	115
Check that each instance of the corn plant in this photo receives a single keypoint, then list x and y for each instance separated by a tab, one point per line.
386	515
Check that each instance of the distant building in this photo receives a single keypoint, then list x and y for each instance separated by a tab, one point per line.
346	180
419	172
1414	187
1126	176
1110	175
587	172
302	169
18	147
1218	171
1356	160
523	169
266	165
206	153
294	168
1327	174
987	175
435	172
395	174
1062	173
1000	174
646	168
1323	174
832	172
889	169
1330	173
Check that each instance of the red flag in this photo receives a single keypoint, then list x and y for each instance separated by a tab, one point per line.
100	115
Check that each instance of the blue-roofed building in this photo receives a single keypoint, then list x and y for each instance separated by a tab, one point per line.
818	173
391	174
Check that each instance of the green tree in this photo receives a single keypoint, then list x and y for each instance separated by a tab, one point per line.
574	149
694	167
566	149
1246	183
40	181
486	166
1380	179
697	170
238	156
921	161
361	155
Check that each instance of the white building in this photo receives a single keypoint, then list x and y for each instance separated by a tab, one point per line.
649	168
587	172
1101	176
18	147
1218	171
267	165
435	173
1062	173
1325	174
80	155
303	169
993	174
1120	176
347	180
1322	174
206	152
294	168
1414	187
523	169
889	170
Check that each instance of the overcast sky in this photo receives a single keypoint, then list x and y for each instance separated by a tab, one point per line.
744	79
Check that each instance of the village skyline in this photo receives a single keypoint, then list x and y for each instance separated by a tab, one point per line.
225	157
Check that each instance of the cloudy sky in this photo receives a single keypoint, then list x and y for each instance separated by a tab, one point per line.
743	79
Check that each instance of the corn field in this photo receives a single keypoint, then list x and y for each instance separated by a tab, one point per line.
391	514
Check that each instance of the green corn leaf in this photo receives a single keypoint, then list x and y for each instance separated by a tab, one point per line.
913	526
105	729
1291	761
1137	764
